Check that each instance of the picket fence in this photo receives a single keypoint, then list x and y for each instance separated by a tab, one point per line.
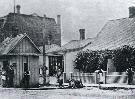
84	77
109	78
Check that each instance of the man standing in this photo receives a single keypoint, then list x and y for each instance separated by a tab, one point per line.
130	74
26	79
11	76
59	78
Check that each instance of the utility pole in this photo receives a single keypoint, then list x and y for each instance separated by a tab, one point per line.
44	55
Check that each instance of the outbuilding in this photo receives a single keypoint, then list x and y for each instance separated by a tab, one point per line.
22	55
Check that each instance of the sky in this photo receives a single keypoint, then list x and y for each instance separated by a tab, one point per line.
90	15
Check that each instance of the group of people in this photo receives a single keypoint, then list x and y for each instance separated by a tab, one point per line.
7	76
130	74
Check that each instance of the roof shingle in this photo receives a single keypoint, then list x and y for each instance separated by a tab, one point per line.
72	45
114	34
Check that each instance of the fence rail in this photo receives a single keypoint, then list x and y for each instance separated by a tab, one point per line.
84	77
92	78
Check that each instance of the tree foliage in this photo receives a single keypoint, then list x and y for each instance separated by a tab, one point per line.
123	58
89	61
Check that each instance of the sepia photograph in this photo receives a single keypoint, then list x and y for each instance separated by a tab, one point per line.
67	49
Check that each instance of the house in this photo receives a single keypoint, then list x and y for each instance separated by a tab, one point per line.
67	53
20	52
33	25
114	34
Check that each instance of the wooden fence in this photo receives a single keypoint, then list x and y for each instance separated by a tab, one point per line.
116	77
110	78
84	77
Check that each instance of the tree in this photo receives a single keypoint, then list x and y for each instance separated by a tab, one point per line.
86	61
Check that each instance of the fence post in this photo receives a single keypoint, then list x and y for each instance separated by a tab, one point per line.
104	75
64	77
71	75
96	77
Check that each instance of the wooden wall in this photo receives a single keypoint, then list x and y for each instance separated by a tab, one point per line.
34	69
33	65
25	46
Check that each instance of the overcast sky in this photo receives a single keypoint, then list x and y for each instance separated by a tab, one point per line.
76	14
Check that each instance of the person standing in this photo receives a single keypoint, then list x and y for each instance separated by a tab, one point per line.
3	78
100	73
59	78
11	76
26	79
130	74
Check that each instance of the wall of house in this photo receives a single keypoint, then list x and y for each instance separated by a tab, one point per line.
18	70
69	57
25	46
34	69
41	60
33	65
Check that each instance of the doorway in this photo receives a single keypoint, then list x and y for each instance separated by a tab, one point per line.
55	63
25	63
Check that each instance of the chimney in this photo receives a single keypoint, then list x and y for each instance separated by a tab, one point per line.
131	12
58	20
18	9
59	26
82	34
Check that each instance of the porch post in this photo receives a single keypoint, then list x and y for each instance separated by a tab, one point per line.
47	70
64	77
96	77
104	75
71	75
44	53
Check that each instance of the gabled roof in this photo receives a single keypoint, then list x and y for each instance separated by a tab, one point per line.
114	34
10	43
72	46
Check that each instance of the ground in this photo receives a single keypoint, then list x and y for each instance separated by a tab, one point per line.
84	93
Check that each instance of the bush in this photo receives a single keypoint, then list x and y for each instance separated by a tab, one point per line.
123	58
86	61
89	61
